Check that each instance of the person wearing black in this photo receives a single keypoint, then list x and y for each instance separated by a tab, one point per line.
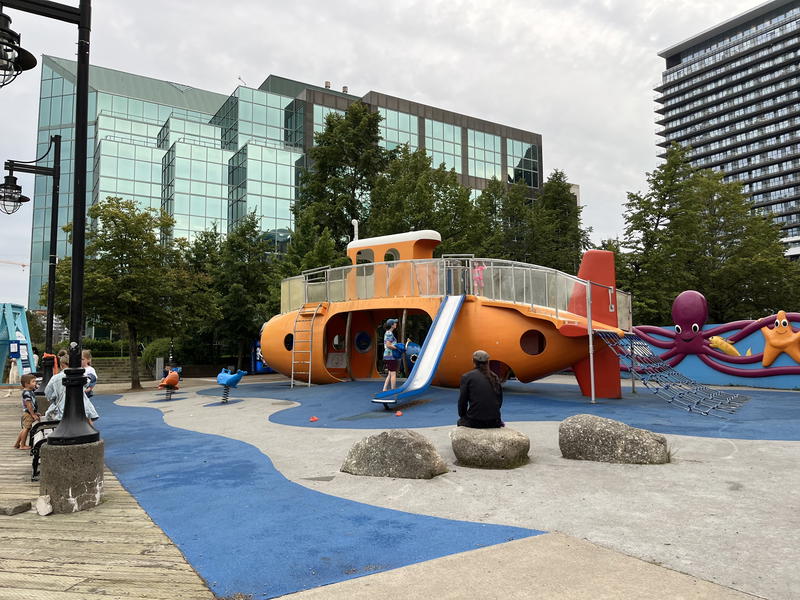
481	395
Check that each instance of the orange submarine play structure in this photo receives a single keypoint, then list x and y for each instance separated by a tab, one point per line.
532	320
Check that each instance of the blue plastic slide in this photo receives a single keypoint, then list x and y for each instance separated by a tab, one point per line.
430	355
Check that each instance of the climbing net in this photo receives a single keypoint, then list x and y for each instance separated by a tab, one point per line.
665	381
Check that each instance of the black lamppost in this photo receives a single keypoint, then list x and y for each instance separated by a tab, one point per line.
11	196
74	428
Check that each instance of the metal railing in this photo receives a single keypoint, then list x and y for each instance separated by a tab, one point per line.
544	290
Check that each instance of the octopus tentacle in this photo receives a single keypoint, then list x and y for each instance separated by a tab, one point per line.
643	331
677	359
668	354
749	372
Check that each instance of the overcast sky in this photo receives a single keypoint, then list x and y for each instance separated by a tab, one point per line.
580	72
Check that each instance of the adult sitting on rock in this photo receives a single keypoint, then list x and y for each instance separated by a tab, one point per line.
481	395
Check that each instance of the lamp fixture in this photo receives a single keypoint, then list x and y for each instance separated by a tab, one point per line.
14	59
11	198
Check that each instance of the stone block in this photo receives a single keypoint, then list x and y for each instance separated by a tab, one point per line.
72	476
500	448
588	437
14	507
396	453
43	506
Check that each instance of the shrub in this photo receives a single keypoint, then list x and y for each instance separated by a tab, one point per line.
158	348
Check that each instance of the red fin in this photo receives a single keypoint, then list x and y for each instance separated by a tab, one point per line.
597	266
607	383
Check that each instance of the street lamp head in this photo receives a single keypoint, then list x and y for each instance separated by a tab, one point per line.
14	59
11	198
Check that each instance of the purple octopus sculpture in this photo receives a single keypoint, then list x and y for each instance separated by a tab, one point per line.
689	314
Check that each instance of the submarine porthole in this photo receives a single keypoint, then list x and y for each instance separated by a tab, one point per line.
363	341
288	341
532	342
338	342
391	255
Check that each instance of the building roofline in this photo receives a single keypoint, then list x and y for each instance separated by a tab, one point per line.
724	26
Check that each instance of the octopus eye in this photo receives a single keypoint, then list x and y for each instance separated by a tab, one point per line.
785	323
777	323
678	329
695	327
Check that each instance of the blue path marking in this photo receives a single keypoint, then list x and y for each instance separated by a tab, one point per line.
247	529
773	415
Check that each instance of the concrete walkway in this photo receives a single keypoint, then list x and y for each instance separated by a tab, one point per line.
552	566
724	512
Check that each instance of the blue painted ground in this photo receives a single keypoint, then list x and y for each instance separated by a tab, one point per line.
247	529
773	415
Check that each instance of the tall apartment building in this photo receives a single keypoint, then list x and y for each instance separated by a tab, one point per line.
732	93
209	159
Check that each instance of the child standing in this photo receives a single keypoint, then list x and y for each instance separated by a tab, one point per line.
28	382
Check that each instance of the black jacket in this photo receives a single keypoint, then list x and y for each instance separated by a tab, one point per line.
477	399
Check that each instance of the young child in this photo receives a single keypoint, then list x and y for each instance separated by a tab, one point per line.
28	382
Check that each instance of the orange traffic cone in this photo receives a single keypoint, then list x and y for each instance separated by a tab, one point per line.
399	413
313	419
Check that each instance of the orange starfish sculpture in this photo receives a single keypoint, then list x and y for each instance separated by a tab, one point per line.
782	338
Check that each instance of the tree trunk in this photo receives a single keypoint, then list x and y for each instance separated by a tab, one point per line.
240	356
133	349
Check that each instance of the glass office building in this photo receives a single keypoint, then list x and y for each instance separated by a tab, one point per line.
732	94
209	159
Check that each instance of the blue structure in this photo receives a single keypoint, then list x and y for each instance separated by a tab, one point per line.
15	337
691	366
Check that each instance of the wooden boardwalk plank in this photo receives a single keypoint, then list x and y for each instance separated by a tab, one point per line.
111	552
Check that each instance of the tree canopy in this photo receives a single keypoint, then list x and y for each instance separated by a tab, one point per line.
691	230
344	163
127	280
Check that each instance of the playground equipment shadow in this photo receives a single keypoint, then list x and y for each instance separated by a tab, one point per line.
769	415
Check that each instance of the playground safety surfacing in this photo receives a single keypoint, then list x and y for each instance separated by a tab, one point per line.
251	494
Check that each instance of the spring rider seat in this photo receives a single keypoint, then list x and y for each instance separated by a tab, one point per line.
228	379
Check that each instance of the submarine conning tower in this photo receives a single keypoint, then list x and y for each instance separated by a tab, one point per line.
411	245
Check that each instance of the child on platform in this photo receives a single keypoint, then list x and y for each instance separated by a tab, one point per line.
29	415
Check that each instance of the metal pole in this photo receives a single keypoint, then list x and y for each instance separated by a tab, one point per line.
591	335
48	363
74	429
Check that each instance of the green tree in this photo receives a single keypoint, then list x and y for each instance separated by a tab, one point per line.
658	225
344	163
127	282
558	239
35	328
411	195
737	261
503	221
243	282
198	270
691	230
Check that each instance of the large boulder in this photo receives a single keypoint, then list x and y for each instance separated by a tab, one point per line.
501	448
395	453
588	437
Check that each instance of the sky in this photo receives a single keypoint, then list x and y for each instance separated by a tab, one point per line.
579	72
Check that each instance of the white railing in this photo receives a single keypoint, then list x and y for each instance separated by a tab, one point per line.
544	290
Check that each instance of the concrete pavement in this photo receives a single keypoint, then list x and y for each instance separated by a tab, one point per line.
724	511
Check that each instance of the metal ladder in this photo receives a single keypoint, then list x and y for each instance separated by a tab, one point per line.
302	343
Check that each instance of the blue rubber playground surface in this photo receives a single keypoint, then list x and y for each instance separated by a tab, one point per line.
769	415
247	529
